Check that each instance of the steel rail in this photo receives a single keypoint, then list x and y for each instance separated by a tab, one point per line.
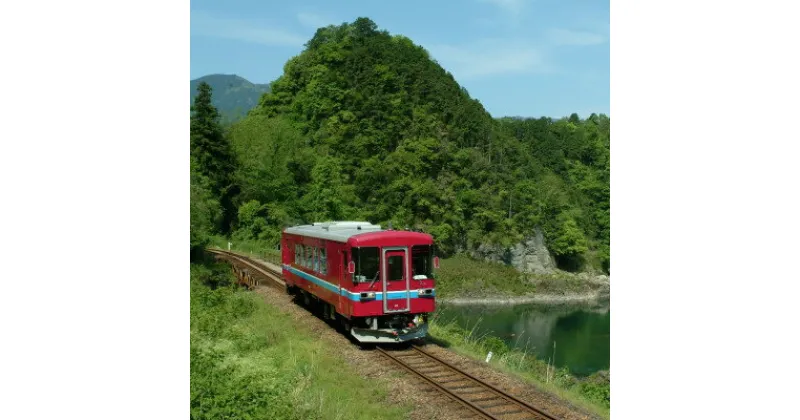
491	387
481	411
474	408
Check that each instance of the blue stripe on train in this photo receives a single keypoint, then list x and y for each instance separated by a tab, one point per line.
350	295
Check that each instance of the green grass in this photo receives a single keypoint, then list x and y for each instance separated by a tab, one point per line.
591	393
249	361
462	276
466	277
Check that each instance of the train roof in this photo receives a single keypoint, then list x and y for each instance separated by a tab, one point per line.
344	230
335	231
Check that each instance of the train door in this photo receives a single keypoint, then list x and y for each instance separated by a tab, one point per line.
396	294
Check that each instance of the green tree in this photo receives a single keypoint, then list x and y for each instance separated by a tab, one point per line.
264	149
569	243
328	198
212	154
204	211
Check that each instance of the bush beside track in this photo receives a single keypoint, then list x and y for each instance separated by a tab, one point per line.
248	362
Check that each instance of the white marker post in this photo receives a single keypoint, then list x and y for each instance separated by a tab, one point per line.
488	357
229	246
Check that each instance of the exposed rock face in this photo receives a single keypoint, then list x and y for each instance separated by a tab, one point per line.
530	256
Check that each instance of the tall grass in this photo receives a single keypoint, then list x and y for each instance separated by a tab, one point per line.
591	393
249	360
256	249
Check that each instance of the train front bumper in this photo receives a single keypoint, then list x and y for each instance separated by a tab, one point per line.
366	335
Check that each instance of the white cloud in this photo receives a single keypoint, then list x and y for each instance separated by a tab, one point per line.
510	6
203	23
313	21
489	58
568	37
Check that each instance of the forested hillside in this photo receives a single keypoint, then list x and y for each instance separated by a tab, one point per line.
366	125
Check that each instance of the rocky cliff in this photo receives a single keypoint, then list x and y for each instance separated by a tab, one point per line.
529	256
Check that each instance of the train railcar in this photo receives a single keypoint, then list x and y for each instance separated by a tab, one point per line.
378	283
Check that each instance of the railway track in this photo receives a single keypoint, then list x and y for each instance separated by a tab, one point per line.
251	268
481	398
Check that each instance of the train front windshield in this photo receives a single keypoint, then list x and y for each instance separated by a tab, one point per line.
422	260
368	262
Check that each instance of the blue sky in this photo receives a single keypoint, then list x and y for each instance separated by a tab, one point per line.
518	57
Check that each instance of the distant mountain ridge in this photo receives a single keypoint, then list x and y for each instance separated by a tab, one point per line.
233	95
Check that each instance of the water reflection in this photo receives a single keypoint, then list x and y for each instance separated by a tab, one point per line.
581	334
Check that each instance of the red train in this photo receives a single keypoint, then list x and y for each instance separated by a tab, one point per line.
378	283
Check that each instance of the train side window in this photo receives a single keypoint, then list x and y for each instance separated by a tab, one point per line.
316	259
297	253
308	257
323	261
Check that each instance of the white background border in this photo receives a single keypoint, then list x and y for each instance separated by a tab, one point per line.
94	304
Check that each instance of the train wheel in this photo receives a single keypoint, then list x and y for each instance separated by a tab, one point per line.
319	307
328	312
345	323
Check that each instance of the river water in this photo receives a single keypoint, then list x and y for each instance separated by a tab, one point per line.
580	333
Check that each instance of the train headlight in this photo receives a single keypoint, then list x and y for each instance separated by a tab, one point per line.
367	295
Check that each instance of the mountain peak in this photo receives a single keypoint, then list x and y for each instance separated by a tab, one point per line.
232	94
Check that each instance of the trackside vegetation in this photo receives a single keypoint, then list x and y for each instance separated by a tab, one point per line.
592	393
246	363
